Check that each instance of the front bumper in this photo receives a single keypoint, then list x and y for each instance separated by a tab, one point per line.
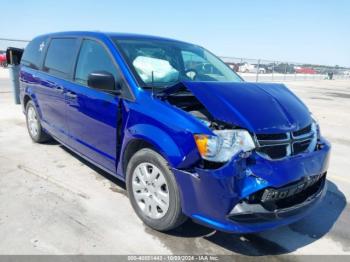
218	197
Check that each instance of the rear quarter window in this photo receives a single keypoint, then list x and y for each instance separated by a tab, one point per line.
60	57
34	53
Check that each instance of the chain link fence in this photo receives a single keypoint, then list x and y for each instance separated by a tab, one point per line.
278	71
251	69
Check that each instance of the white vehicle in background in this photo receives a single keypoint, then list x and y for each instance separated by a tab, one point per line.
249	68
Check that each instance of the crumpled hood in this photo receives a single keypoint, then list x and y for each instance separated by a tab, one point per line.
258	107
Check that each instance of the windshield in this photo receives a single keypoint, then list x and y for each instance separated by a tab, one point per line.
163	63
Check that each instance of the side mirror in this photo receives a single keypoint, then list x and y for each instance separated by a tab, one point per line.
102	80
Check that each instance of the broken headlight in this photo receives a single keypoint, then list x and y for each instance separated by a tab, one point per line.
225	144
316	126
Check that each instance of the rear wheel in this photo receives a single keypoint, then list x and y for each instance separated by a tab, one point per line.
35	130
153	191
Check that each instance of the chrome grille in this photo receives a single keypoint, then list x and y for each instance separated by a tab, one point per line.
278	146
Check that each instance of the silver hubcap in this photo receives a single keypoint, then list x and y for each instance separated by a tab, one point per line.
33	122
150	190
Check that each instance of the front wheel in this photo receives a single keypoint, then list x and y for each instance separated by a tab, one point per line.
153	191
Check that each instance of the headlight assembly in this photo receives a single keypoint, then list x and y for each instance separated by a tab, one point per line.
316	126
222	146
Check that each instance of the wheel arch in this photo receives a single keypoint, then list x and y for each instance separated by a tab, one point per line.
131	148
26	99
148	136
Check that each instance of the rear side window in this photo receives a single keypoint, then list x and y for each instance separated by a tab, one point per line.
93	57
60	56
34	52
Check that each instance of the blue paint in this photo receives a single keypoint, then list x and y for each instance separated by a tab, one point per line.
89	126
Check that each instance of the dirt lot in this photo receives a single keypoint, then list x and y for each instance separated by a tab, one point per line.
53	202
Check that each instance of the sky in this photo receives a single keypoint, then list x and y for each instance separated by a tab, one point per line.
312	31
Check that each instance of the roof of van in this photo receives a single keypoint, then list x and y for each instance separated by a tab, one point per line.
99	34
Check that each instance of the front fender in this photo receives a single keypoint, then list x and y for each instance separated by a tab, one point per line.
167	129
159	139
176	154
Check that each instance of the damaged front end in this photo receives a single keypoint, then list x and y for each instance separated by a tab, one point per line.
267	181
254	194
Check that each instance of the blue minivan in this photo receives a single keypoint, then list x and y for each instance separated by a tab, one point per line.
190	138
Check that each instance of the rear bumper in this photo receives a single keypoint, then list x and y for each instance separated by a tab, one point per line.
217	197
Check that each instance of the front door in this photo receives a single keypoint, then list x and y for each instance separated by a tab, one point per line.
92	114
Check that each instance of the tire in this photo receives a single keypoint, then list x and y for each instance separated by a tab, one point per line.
165	213
34	127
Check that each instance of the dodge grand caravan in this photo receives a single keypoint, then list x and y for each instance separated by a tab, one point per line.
190	138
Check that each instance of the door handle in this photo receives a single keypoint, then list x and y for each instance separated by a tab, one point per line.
71	95
59	89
